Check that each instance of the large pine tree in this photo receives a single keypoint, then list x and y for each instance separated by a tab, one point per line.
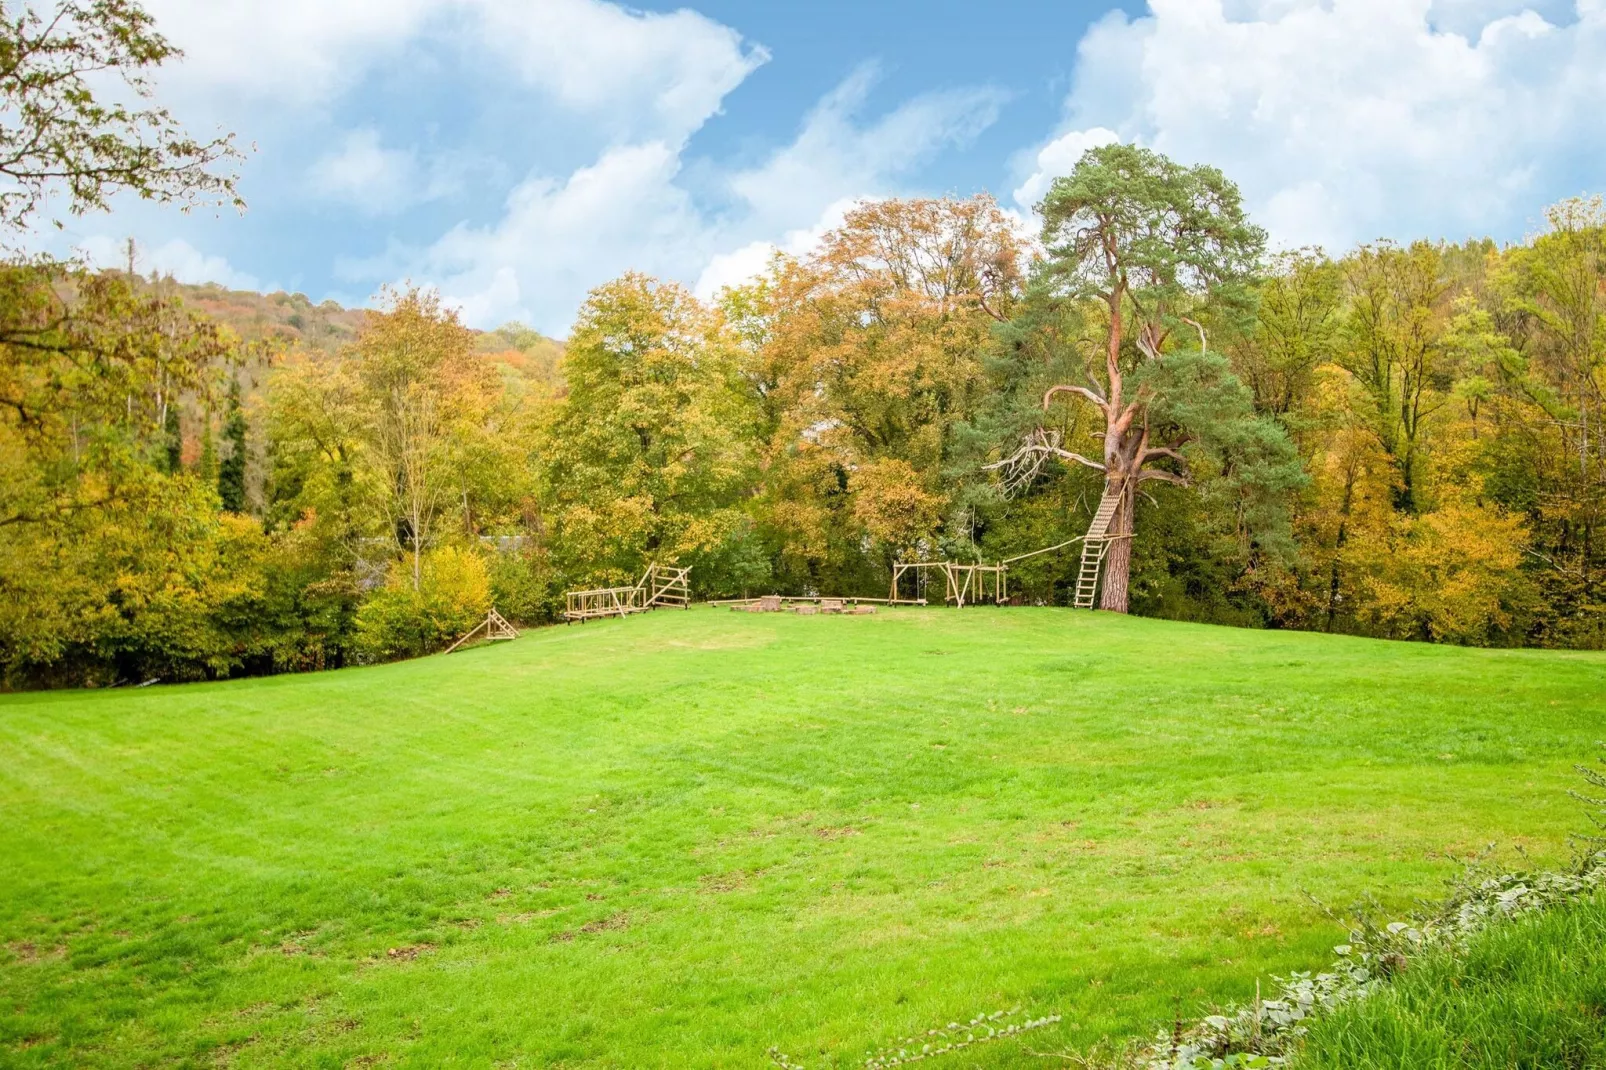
1144	248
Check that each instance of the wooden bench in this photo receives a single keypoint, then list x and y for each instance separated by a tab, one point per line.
769	603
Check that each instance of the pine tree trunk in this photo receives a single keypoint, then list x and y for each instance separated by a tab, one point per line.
1118	560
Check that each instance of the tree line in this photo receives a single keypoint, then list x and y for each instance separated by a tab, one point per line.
1405	441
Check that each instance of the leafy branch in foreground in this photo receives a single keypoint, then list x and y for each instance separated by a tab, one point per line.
56	133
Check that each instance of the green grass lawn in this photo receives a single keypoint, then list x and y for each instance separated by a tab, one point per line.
680	839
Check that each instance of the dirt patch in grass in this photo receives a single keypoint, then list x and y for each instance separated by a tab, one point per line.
29	953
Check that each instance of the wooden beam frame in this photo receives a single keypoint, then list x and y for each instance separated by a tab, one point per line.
961	582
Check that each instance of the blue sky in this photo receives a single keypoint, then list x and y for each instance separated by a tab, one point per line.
516	153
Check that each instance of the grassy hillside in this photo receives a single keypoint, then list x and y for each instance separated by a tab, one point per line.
680	839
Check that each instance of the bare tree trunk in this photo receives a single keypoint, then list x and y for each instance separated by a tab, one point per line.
417	566
1118	561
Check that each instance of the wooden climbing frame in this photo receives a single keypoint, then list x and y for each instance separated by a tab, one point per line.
968	583
962	583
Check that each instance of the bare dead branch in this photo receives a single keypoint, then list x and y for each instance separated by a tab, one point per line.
1020	469
1079	459
1070	389
1204	343
981	299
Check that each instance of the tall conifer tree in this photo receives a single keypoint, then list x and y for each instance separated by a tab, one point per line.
231	471
173	444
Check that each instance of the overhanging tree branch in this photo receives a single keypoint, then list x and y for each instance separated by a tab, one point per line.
57	136
1081	391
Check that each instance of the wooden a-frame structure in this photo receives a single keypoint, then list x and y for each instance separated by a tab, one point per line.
493	627
961	583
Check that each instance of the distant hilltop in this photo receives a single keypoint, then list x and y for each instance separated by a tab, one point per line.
293	319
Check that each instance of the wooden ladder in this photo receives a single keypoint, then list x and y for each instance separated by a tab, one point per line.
1095	544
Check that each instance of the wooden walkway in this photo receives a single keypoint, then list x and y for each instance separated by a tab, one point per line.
661	585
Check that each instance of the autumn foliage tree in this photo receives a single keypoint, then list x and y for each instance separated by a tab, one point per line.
873	353
422	397
650	454
109	563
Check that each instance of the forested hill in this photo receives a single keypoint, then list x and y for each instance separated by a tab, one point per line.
290	318
293	320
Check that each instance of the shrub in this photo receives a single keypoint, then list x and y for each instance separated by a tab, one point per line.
525	588
453	595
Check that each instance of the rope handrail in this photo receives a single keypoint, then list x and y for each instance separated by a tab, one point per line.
1044	550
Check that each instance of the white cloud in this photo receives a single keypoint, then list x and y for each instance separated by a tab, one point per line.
653	74
291	51
1468	17
558	238
1346	120
1057	158
176	258
366	175
836	153
376	180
